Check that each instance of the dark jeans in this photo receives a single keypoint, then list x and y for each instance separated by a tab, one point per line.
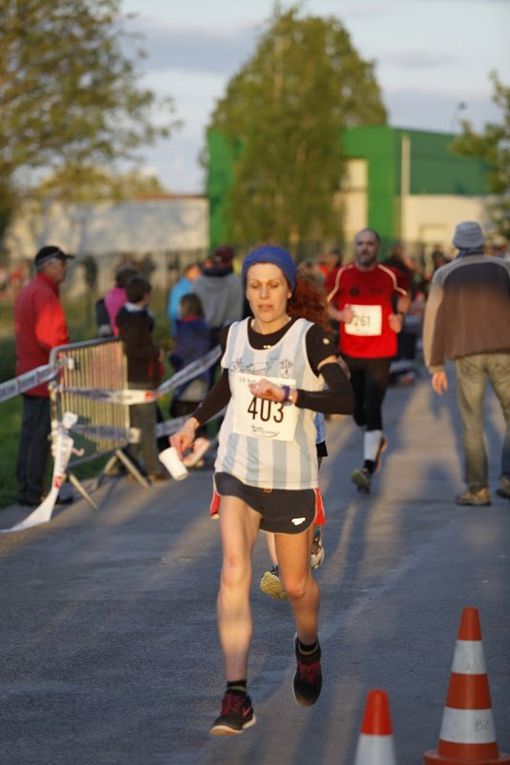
369	380
472	375
34	448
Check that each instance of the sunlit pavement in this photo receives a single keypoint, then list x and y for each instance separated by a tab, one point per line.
108	629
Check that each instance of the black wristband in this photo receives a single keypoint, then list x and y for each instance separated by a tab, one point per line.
286	394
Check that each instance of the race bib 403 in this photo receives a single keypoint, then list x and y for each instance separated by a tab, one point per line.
258	417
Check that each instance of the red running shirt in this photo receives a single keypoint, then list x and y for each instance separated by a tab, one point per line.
369	293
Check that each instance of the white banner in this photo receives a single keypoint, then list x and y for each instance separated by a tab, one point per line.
62	448
191	371
127	397
25	382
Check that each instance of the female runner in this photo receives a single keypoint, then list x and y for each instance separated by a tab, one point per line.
274	371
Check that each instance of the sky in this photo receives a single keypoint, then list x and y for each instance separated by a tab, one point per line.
432	62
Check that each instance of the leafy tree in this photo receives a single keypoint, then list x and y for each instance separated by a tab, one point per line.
283	115
69	96
95	184
493	146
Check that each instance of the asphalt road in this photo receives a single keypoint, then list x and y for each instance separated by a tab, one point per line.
108	631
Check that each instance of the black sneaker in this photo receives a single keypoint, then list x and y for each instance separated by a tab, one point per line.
24	502
307	683
362	478
236	715
67	499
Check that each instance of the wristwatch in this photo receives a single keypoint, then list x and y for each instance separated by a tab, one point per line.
288	395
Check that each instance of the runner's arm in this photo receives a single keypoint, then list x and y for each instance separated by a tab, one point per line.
216	400
337	398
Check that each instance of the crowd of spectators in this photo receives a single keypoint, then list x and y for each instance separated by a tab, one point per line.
208	296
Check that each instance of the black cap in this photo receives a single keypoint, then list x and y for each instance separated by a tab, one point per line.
50	252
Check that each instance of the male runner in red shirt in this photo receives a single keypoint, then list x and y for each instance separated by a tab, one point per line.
370	307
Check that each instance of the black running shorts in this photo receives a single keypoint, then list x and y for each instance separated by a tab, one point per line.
283	511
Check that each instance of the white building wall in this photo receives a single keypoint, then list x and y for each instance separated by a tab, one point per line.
158	229
431	219
427	219
353	201
127	227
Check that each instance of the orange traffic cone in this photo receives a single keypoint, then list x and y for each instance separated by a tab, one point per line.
467	735
375	743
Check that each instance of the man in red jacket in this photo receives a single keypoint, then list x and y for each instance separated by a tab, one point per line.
40	325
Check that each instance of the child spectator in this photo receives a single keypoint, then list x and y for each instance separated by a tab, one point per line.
192	342
116	297
136	324
182	287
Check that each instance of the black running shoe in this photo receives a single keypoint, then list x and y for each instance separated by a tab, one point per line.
236	715
307	683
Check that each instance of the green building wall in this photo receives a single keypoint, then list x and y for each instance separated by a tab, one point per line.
433	169
378	146
220	178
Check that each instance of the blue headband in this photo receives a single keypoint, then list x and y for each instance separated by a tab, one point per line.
269	253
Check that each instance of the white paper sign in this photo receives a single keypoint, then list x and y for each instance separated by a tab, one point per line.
258	417
367	320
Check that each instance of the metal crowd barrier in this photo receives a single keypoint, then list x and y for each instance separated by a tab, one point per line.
102	426
92	384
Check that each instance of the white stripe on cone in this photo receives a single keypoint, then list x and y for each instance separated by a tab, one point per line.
468	658
375	750
468	726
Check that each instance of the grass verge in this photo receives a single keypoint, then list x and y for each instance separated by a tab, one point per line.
10	427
